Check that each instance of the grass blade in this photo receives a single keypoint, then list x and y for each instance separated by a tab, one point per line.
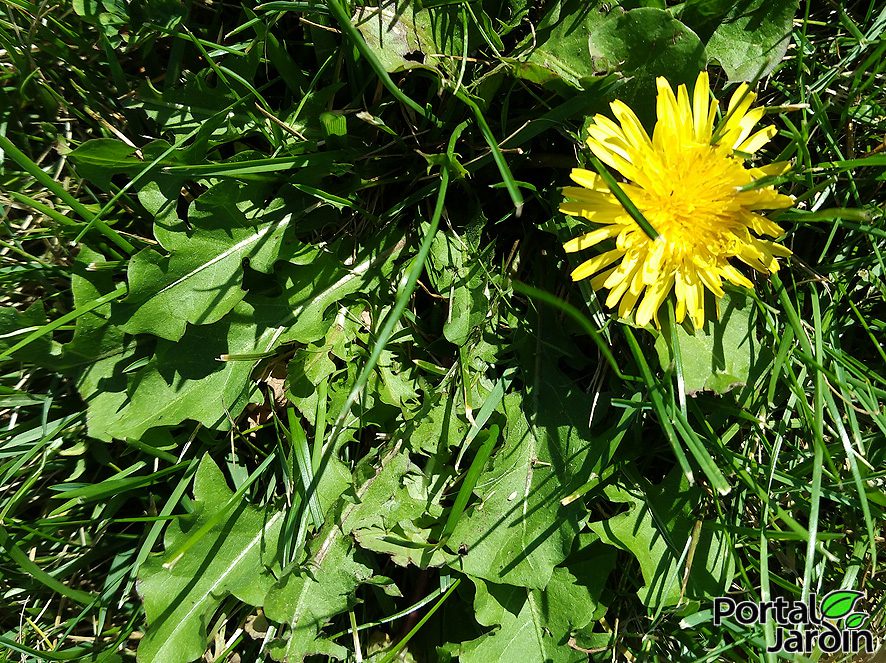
467	487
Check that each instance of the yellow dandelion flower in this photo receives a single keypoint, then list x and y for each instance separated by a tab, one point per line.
691	183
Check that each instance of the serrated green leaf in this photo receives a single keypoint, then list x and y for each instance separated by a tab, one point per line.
313	364
305	600
404	38
239	555
308	368
398	531
439	429
307	597
99	351
517	531
86	8
707	8
405	543
458	270
99	159
591	567
703	16
532	625
191	379
635	4
390	30
752	38
561	55
656	529
567	603
15	325
839	603
200	280
334	124
183	380
193	105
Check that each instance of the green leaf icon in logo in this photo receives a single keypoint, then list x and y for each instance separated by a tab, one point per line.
856	620
839	603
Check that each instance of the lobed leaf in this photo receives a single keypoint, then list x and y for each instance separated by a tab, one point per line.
239	555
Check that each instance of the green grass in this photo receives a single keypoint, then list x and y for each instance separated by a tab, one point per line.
292	365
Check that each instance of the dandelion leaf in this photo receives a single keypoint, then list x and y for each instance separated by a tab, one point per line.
198	278
641	45
237	555
517	531
530	625
723	355
752	38
323	584
204	376
656	529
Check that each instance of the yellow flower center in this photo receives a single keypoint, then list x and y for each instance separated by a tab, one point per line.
690	200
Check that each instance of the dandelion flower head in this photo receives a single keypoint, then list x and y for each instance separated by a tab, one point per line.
691	182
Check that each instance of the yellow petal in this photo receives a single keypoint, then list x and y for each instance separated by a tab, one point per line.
777	249
595	264
628	300
738	130
655	295
616	294
665	132
653	262
588	179
736	126
712	117
680	294
597	198
690	297
700	106
767	198
631	125
616	145
740	101
684	115
597	281
608	128
763	226
696	311
591	239
595	213
752	256
611	158
711	279
758	140
637	284
736	277
770	170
